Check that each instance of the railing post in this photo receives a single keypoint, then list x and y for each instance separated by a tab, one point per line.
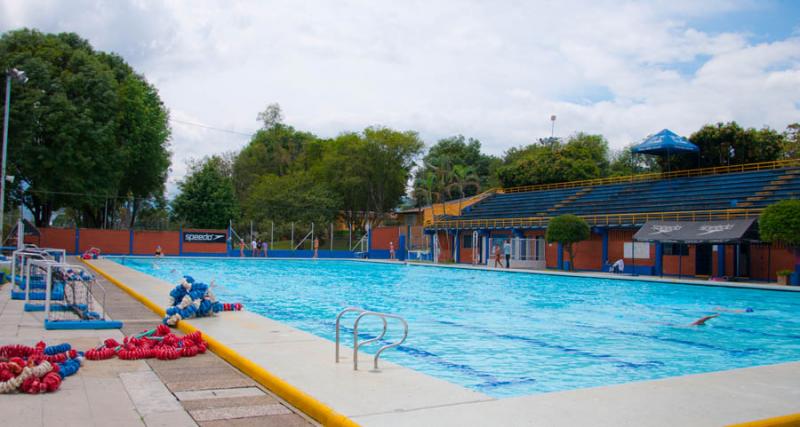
77	240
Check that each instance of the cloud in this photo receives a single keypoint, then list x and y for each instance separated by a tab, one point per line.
491	70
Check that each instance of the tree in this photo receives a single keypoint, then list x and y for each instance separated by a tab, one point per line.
791	141
780	222
583	156
624	163
291	198
206	198
142	133
85	129
463	178
729	144
388	157
453	151
567	230
424	185
271	116
276	150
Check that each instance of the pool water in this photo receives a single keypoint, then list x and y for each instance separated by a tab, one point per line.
509	334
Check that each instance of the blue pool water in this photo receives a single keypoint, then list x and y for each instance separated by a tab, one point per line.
507	334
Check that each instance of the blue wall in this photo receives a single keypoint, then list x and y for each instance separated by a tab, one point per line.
286	253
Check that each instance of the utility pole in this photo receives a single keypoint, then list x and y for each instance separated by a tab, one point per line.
20	76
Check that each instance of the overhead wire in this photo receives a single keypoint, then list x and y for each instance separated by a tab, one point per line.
200	125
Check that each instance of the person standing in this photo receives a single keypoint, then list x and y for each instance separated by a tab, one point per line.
316	248
507	252
241	248
497	261
391	251
253	248
265	247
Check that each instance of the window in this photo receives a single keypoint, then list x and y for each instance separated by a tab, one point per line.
467	241
640	249
676	249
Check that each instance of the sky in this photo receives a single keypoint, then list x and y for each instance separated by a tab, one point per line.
491	70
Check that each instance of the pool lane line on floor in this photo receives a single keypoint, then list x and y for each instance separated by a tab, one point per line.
304	402
598	275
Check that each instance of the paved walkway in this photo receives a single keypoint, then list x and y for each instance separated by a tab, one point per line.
204	390
398	396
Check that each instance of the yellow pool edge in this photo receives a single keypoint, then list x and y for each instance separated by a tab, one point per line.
304	402
791	420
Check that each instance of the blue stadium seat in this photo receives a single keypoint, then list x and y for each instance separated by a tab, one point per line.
745	189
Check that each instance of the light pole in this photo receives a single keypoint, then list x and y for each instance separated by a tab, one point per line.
553	126
19	76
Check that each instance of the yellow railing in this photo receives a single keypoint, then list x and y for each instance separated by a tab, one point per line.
776	164
606	219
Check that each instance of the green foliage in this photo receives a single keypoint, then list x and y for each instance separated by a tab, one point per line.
206	198
85	129
729	144
567	230
385	160
625	163
361	176
277	150
780	222
791	141
583	156
441	161
295	197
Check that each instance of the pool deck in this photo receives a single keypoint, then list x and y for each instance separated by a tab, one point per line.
398	396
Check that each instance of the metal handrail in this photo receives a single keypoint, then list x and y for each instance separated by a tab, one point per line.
338	323
356	345
716	170
602	219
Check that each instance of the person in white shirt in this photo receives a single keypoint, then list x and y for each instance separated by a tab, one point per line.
617	267
507	252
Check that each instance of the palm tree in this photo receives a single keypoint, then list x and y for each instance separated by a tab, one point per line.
464	177
425	185
444	173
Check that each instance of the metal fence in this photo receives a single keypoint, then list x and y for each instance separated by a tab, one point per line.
298	235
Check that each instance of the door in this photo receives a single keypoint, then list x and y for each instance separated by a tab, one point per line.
743	260
703	260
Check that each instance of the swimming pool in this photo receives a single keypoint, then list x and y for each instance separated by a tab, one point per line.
508	334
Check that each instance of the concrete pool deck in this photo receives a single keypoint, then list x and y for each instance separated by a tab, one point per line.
400	396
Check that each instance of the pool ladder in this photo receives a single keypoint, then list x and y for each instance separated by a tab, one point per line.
356	345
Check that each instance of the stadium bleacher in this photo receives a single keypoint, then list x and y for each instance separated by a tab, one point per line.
756	189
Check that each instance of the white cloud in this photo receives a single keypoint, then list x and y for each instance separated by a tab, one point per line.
491	70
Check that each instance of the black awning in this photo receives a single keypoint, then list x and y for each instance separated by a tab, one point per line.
731	231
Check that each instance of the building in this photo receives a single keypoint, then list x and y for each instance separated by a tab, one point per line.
616	208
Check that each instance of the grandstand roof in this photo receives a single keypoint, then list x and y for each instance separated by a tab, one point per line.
731	231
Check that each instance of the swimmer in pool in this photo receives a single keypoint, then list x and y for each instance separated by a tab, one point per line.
702	321
734	310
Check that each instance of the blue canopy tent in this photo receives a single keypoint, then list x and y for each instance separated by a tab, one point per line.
664	143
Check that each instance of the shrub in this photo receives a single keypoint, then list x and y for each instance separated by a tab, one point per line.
780	222
567	229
